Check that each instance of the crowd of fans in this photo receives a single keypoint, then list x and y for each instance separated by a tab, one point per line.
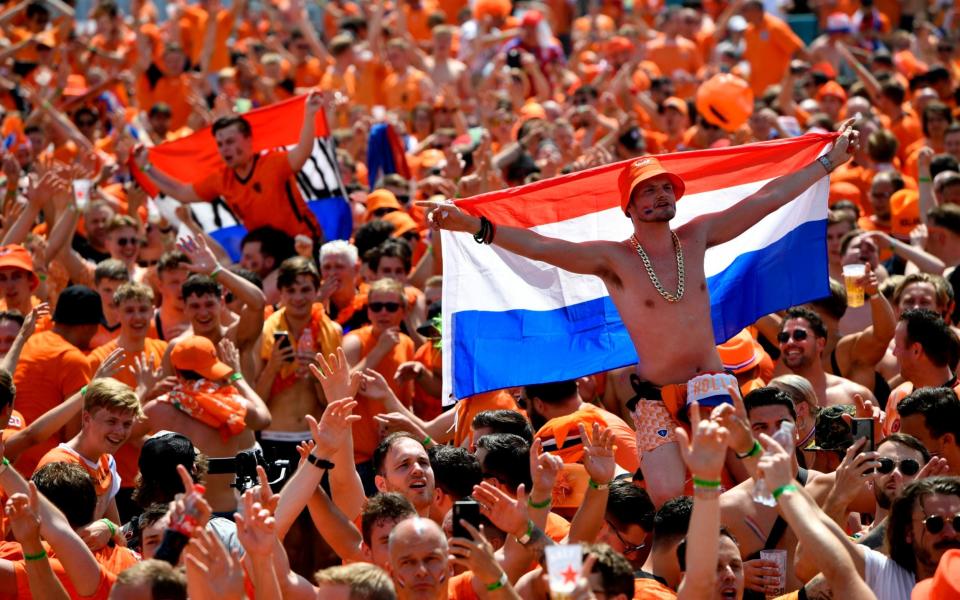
179	424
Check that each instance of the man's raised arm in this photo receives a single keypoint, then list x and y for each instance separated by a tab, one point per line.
723	227
308	134
170	186
588	258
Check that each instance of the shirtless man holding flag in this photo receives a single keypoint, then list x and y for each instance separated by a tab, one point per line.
656	278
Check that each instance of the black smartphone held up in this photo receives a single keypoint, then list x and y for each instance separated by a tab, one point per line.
282	338
469	511
863	428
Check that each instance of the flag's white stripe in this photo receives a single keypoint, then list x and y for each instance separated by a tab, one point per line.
492	279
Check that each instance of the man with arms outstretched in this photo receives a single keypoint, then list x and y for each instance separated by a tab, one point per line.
658	300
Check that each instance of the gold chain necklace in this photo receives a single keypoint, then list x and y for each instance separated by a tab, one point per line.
653	276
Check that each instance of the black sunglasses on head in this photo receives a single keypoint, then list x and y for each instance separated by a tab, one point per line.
389	306
798	335
907	466
935	523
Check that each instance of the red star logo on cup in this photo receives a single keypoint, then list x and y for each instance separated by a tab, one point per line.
569	576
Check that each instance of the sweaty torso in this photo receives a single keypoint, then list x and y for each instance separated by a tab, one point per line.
841	391
674	340
289	407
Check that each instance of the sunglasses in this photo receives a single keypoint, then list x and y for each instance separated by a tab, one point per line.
123	242
628	547
934	524
147	263
382	211
388	306
907	466
86	123
798	335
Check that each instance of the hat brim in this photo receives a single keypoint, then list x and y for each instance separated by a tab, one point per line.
216	371
679	187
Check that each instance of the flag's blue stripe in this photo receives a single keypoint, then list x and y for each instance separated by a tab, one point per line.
332	213
495	350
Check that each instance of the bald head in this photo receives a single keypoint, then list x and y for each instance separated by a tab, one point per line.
418	559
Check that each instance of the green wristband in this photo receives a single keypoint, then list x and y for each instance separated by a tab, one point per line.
237	376
216	271
706	483
545	504
111	526
38	556
924	180
6	461
598	486
496	585
783	489
427	441
754	451
83	391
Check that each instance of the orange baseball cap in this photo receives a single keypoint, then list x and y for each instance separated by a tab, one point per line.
945	583
17	257
739	353
677	103
381	198
844	190
641	170
401	221
196	353
497	9
832	88
904	213
619	43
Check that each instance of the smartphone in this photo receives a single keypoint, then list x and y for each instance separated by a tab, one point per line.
282	338
863	428
513	58
469	511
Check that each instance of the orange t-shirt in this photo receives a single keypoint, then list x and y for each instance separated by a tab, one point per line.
425	406
49	371
102	474
309	73
366	432
369	91
112	560
769	49
624	436
647	588
418	16
676	54
155	86
128	456
268	197
907	129
403	93
193	30
467	409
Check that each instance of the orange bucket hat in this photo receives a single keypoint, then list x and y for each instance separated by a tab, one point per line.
739	353
641	170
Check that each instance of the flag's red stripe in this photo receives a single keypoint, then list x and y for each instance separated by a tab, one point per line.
586	192
194	157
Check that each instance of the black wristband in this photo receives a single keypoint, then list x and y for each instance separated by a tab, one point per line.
320	463
485	235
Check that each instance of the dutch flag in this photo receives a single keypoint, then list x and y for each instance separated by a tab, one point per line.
510	321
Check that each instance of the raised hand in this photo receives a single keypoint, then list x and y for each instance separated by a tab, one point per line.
853	471
256	527
190	495
145	374
706	452
213	573
733	417
331	433
314	102
598	457
110	365
394	421
334	375
476	555
409	371
508	514
202	258
446	215
845	146
23	512
388	339
263	493
775	465
229	354
544	470
30	322
936	466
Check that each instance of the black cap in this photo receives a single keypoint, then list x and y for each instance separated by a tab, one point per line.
429	329
78	305
161	454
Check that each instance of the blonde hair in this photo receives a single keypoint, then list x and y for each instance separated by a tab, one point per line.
132	290
390	286
366	581
121	221
112	395
798	388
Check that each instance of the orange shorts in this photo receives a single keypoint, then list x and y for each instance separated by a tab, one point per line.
654	425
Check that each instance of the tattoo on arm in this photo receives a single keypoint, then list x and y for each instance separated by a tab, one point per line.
818	588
